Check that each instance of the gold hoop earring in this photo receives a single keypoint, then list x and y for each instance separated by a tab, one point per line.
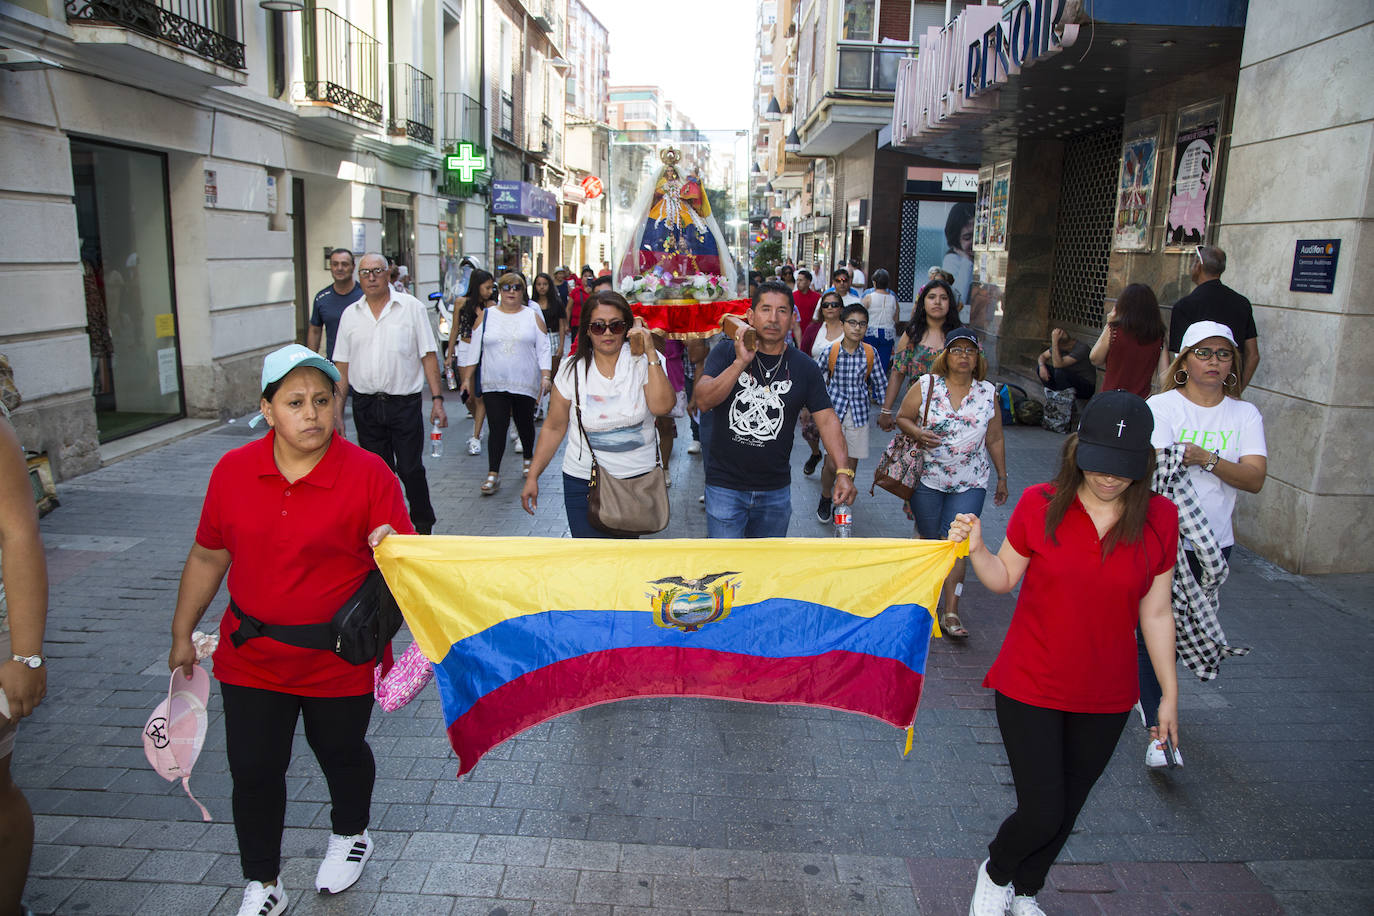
1180	381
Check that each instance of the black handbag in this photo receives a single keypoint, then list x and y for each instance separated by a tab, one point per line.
358	633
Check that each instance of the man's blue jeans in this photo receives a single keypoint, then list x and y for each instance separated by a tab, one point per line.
747	513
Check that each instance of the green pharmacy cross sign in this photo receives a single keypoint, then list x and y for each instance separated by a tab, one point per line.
467	163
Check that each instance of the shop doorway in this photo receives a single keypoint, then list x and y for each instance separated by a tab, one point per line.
298	259
398	232
124	226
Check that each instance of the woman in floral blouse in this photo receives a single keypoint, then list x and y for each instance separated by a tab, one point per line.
963	429
933	317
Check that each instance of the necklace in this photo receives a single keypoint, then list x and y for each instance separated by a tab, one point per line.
766	374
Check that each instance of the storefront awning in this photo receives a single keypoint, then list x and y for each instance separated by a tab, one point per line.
524	227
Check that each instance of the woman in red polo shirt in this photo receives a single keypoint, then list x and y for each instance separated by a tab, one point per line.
1097	551
292	518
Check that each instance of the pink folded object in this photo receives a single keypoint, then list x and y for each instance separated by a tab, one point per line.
404	681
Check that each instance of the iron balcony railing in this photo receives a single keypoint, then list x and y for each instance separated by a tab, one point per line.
412	103
462	118
207	28
340	63
545	136
870	67
507	129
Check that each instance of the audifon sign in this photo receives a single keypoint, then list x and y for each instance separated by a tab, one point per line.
957	66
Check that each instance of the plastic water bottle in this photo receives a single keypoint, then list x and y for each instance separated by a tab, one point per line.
450	376
436	441
844	521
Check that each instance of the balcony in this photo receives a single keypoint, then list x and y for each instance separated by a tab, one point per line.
412	104
870	68
188	41
543	146
462	123
340	63
857	104
506	129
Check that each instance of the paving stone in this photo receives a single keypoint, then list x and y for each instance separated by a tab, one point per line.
614	887
102	862
106	898
759	895
463	879
689	891
177	866
440	847
528	882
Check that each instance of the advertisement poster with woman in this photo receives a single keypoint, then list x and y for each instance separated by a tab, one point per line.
1195	163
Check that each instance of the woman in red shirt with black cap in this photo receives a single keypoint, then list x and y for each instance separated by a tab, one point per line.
1096	549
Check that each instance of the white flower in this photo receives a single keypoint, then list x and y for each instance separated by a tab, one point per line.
627	285
699	282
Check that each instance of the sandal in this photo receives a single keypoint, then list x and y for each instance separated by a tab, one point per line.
525	468
491	485
953	627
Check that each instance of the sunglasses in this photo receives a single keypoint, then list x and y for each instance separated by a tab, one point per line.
1223	354
599	327
369	272
831	304
512	288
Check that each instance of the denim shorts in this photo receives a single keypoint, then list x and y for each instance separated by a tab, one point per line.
935	509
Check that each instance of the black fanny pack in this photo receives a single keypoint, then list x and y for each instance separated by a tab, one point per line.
359	633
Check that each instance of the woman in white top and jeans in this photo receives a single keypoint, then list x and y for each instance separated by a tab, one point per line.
883	315
512	344
619	395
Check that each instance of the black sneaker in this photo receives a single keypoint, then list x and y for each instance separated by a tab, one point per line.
810	467
823	510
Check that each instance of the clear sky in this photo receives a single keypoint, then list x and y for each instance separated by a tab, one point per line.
701	52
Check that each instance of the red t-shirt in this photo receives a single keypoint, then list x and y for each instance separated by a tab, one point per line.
1071	645
806	307
297	552
1130	363
576	299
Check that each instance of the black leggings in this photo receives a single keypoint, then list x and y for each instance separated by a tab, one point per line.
1055	758
258	729
501	407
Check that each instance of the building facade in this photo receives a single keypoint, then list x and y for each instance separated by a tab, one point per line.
1111	140
174	179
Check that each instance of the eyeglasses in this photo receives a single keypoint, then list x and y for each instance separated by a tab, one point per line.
512	288
962	351
857	323
366	273
598	326
1223	354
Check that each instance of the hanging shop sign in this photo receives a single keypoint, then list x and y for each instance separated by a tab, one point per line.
1195	166
1135	186
520	198
467	163
1314	265
592	187
1028	31
959	182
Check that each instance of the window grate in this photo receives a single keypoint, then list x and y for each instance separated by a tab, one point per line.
1083	247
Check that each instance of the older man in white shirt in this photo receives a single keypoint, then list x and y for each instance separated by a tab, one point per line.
387	357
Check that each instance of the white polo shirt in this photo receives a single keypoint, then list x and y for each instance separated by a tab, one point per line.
383	354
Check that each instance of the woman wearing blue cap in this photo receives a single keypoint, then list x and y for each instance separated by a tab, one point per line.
1096	551
292	518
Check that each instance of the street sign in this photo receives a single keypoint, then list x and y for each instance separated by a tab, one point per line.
592	187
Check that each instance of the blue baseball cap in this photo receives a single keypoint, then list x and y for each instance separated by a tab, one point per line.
280	362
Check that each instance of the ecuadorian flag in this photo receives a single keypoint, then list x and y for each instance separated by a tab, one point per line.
523	629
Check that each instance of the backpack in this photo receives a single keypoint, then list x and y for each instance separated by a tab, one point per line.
869	359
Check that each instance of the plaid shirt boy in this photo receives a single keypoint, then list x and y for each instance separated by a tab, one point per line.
846	385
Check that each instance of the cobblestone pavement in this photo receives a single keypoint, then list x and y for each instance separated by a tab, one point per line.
678	806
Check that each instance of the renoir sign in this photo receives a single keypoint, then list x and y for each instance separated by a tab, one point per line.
1027	31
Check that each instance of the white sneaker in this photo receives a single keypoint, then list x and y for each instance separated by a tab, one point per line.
1154	755
514	434
989	899
261	900
343	862
694	448
519	447
1025	906
474	446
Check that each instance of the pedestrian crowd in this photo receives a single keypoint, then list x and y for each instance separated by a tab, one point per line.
1105	606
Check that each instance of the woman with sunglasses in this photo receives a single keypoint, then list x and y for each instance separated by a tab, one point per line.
512	344
1223	452
933	317
619	395
962	429
824	332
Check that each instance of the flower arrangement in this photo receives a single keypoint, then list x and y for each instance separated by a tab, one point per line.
654	284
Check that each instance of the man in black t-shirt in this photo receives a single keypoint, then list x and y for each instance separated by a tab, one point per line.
331	301
757	396
1213	301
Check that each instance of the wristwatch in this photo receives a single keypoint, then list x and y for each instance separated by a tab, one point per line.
1212	462
29	661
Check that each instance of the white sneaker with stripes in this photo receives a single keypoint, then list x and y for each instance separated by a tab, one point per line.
263	900
343	862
